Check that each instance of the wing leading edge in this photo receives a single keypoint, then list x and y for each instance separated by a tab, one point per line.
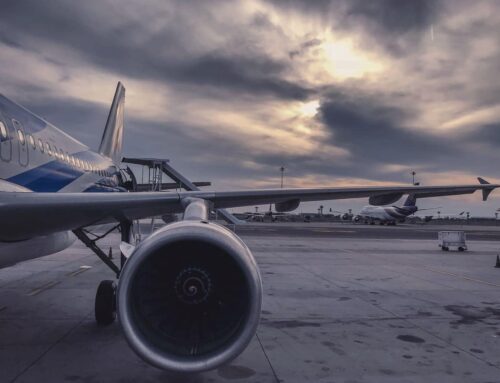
26	215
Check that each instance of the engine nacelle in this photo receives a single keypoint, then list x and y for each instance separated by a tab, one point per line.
286	206
189	297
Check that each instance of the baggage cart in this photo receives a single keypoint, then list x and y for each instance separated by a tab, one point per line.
449	239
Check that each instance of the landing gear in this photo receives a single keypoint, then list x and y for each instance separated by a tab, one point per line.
105	303
105	298
445	248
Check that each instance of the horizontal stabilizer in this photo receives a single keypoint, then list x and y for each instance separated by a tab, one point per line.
486	191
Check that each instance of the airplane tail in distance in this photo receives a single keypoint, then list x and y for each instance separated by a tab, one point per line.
411	200
111	142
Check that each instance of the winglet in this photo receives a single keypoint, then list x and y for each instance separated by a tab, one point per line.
486	191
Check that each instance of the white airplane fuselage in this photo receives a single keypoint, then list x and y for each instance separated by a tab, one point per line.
35	156
385	214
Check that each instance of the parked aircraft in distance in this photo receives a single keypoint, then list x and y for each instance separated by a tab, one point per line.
390	215
189	295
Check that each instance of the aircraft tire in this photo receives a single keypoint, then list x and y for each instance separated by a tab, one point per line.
105	303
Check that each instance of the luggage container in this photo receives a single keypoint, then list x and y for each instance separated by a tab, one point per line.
449	239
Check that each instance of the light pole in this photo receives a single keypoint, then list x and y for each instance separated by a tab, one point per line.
413	173
282	170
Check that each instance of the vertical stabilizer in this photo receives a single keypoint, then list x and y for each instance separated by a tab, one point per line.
111	143
411	200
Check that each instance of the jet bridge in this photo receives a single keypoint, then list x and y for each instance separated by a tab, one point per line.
157	167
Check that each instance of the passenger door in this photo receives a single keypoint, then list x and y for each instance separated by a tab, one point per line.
22	143
5	141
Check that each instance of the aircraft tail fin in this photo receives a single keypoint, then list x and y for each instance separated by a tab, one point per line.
486	191
111	142
411	200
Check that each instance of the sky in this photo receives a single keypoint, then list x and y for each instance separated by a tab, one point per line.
338	92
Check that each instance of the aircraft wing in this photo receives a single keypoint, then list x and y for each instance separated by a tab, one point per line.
26	214
227	199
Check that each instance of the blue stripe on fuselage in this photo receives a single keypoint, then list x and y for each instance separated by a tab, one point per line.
54	175
49	177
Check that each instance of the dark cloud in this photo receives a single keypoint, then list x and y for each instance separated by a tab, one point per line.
488	134
395	26
372	130
396	16
377	134
257	75
131	48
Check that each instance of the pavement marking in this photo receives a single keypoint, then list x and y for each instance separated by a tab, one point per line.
42	288
462	277
267	358
80	270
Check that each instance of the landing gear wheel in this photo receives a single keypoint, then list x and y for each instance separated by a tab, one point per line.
105	303
461	248
444	248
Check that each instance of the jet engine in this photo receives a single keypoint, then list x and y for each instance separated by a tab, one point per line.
189	297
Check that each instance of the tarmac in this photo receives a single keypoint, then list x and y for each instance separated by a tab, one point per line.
342	303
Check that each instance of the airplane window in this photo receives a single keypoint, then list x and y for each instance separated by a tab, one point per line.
49	150
21	137
61	155
32	141
72	159
40	145
3	130
67	158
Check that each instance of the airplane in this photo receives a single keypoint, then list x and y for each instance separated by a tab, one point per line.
188	297
266	216
391	214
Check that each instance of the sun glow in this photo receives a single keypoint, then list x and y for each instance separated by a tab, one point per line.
342	60
309	109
